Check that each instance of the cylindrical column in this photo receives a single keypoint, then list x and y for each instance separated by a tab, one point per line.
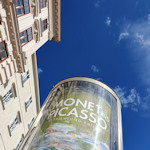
79	114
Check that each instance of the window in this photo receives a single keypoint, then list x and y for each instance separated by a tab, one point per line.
43	3
3	52
13	124
6	98
25	76
27	104
19	144
44	24
16	121
30	124
26	36
22	7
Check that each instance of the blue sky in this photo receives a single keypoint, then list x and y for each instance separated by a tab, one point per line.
110	41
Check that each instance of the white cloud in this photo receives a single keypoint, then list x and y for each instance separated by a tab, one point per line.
40	71
108	21
94	68
97	4
137	3
138	34
146	101
123	35
139	39
148	90
148	16
132	99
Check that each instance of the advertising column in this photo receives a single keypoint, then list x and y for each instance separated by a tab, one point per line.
79	114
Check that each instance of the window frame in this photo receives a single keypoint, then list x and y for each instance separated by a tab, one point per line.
23	6
28	103
19	143
27	35
46	24
27	76
31	123
43	3
8	96
5	50
13	125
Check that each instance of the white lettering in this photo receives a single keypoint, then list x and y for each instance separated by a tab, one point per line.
90	106
69	104
98	108
51	113
102	124
92	116
58	104
60	112
83	112
73	112
79	101
56	112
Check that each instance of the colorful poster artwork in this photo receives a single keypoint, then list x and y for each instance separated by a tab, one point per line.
77	120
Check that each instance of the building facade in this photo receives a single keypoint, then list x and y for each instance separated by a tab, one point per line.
25	25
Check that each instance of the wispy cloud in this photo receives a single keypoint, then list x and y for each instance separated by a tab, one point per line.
148	16
108	21
138	34
146	101
132	99
40	71
94	68
123	35
97	4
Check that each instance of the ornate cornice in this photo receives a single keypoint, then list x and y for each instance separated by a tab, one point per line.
36	31
57	20
12	21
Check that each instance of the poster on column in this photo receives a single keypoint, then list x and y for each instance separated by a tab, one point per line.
78	118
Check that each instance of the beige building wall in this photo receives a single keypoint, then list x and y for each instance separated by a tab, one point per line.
21	35
16	106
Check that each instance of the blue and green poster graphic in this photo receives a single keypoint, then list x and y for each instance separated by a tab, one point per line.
78	118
